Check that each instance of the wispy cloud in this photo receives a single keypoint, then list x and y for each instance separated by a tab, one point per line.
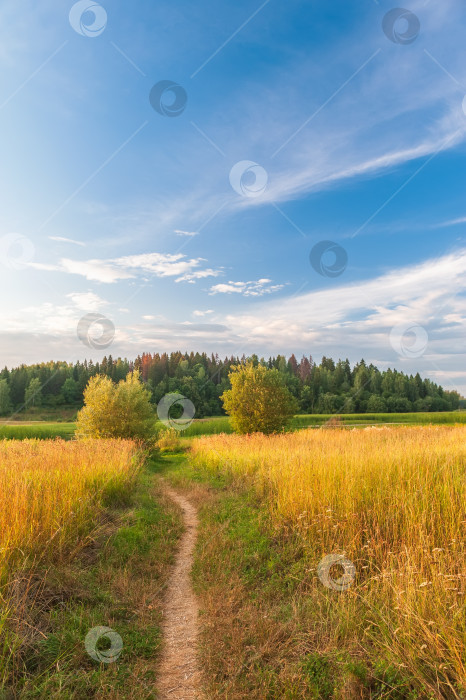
247	289
450	222
61	239
87	301
180	232
131	266
198	313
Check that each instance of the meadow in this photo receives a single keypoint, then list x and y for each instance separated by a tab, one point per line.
49	429
350	419
51	498
75	552
391	500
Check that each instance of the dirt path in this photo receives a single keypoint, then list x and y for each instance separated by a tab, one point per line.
178	672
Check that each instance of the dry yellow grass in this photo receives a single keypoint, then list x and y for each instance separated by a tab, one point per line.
392	500
50	494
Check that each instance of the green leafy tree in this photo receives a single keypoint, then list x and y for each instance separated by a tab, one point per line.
5	399
116	410
376	404
258	400
70	390
33	394
204	379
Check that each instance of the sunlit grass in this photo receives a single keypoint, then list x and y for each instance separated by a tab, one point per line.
39	431
50	493
51	499
390	499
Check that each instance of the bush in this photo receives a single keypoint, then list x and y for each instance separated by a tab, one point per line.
116	410
258	401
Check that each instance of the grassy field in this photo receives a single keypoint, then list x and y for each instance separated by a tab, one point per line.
391	501
38	431
43	484
51	494
440	418
86	540
45	430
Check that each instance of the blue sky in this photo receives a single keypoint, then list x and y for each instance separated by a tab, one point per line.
353	138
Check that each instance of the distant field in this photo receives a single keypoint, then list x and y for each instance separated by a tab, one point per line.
440	418
39	431
44	430
208	426
221	424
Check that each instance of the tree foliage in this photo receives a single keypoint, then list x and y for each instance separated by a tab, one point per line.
319	388
5	400
258	401
114	410
33	393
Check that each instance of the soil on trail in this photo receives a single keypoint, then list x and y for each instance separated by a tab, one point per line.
179	673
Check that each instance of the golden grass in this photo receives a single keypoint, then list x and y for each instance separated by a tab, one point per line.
51	492
392	500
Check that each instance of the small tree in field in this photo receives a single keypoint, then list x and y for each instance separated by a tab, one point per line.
116	410
258	401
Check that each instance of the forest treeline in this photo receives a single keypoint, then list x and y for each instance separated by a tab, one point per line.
328	387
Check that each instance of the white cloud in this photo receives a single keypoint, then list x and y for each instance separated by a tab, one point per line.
247	289
375	122
66	240
199	313
87	301
180	232
199	274
451	222
130	266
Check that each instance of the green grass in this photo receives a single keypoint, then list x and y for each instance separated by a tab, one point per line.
117	582
221	424
208	426
40	431
439	418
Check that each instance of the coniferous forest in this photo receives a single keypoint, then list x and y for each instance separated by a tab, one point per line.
328	387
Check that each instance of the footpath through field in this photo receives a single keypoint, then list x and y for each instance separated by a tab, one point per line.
179	671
